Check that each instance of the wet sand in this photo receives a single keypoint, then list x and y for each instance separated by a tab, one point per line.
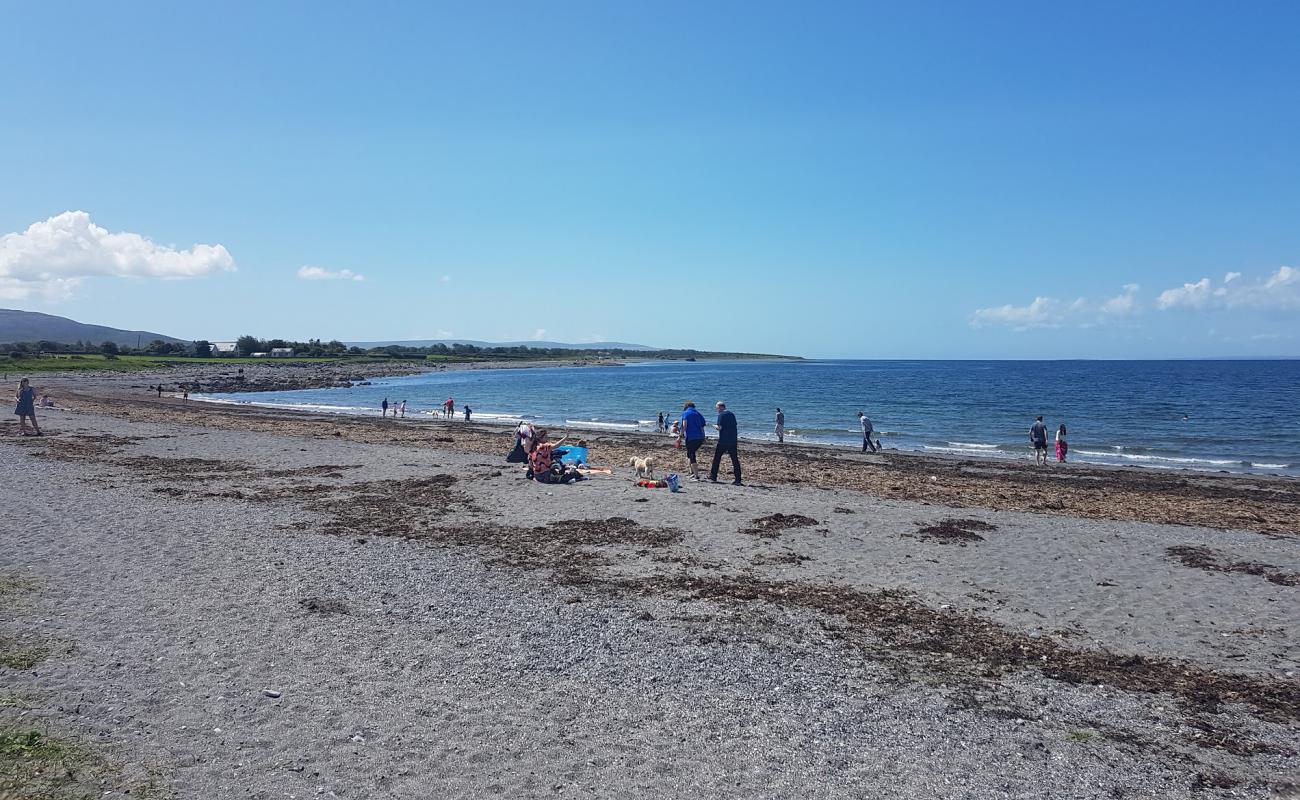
433	624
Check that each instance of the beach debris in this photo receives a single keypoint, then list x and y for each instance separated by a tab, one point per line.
1210	560
271	693
954	531
770	527
323	605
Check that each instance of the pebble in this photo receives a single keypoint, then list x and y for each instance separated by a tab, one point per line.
271	693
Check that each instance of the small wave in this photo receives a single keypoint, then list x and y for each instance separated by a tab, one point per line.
973	445
598	425
1261	465
1166	459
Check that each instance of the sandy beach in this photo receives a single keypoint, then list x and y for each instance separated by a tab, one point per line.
226	601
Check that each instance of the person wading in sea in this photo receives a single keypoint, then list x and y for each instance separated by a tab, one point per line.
780	425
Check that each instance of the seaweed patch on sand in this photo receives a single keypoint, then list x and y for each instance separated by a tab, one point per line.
1211	560
954	531
770	527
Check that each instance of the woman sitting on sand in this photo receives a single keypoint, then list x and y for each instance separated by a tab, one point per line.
1062	447
26	407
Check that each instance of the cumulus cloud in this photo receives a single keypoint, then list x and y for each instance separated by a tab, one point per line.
1049	312
1278	291
309	273
1189	295
51	258
539	334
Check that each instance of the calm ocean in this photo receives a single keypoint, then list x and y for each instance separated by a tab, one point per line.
1241	416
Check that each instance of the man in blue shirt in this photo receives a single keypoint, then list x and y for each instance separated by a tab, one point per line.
727	439
692	427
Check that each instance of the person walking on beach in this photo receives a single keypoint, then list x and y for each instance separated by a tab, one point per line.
691	426
727	441
467	413
1062	447
26	407
185	394
659	426
867	429
402	408
780	425
1038	435
384	407
160	390
448	408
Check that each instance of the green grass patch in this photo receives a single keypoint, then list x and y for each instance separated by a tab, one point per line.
36	766
16	654
13	584
1082	736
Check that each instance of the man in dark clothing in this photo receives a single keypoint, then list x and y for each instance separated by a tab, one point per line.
1038	435
727	437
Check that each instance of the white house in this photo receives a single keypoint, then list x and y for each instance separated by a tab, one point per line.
223	348
281	352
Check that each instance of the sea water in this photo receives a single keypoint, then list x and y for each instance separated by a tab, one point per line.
1234	416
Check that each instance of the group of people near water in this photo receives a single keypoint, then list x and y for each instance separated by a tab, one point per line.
1038	438
447	409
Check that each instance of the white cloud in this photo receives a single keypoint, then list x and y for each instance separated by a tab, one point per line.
1121	304
321	274
1278	291
51	258
1048	312
539	334
1041	313
1189	295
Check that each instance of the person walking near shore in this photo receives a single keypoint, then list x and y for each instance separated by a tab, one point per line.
468	411
780	425
448	409
26	407
728	439
384	407
1038	435
867	429
692	431
402	408
659	426
1062	446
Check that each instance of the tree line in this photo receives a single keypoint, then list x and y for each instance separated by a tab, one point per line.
247	345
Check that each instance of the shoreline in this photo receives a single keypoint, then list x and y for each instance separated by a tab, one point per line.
1265	503
993	454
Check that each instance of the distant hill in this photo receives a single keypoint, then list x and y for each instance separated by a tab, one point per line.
33	326
530	343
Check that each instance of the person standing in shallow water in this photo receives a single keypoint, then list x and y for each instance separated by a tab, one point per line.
728	439
26	407
1062	447
384	407
1038	435
780	425
467	413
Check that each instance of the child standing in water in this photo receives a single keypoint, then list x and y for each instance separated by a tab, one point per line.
1062	447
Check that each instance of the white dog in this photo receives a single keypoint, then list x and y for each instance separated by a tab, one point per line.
645	467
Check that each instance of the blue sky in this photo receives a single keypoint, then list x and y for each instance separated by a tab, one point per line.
839	180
